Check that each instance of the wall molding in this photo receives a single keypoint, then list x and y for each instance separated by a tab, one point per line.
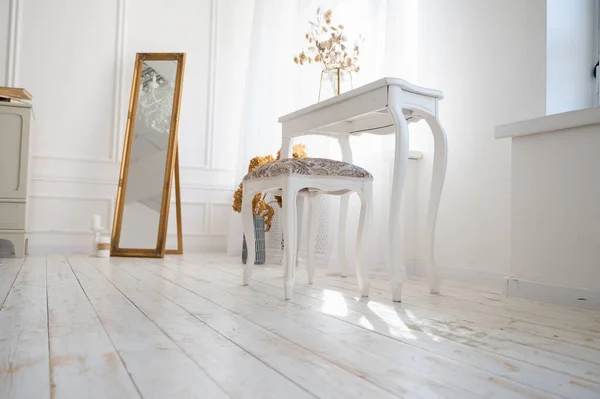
110	202
73	159
210	99
118	84
73	178
184	186
206	214
119	66
212	205
119	91
14	8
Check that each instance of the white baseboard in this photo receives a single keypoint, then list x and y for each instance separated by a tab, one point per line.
535	291
81	242
566	296
495	282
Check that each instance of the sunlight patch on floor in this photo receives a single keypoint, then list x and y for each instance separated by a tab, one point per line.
395	324
334	303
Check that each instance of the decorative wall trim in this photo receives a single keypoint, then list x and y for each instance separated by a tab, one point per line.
211	206
184	186
201	232
210	100
74	159
119	66
118	85
75	181
14	9
109	211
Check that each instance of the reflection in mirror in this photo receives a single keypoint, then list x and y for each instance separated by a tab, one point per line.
140	221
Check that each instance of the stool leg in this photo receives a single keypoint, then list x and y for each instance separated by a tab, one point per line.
366	203
248	223
289	194
313	224
342	255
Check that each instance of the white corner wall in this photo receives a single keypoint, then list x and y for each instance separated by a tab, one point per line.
556	229
571	53
76	58
488	58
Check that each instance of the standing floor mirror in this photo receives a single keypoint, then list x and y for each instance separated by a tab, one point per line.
150	163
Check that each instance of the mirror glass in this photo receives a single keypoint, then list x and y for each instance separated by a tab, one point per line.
147	162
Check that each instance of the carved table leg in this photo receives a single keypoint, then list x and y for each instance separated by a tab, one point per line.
437	183
395	257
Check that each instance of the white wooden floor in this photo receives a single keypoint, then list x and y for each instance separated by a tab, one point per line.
184	327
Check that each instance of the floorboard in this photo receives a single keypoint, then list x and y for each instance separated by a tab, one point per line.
183	327
386	316
159	368
9	270
230	366
83	360
372	355
481	346
467	327
24	361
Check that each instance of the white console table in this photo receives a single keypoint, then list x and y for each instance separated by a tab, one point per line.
381	107
14	159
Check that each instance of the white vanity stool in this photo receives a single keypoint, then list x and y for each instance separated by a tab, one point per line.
309	176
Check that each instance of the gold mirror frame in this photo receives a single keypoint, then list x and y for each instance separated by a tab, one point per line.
171	165
179	250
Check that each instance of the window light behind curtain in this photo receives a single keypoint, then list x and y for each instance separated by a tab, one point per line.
274	86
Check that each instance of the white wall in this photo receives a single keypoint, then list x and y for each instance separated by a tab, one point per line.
488	58
556	229
571	54
76	58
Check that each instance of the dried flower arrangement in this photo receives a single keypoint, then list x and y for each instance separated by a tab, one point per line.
260	207
328	45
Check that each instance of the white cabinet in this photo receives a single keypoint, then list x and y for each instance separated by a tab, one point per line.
14	160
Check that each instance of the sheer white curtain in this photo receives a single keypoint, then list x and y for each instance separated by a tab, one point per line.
274	86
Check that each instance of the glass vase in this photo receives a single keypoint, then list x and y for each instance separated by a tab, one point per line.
334	82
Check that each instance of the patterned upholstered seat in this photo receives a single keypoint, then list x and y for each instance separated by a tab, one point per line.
308	167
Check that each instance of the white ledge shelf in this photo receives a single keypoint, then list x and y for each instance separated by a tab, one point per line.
550	123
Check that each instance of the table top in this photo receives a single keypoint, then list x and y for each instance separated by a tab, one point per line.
361	90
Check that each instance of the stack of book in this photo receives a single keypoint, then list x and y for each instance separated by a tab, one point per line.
13	94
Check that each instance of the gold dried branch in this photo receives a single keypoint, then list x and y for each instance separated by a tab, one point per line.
328	45
260	207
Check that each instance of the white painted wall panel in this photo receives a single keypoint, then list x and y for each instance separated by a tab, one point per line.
65	214
76	58
234	33
67	61
219	217
176	26
488	58
194	214
556	217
